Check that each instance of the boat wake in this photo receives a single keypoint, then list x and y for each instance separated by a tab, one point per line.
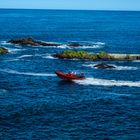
26	73
105	82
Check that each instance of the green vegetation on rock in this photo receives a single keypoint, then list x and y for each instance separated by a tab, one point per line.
82	55
3	50
71	54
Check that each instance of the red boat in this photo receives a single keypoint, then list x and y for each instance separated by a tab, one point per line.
69	76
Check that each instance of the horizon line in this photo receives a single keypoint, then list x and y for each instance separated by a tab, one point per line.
72	9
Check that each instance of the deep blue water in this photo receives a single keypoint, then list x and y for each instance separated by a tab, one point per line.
35	104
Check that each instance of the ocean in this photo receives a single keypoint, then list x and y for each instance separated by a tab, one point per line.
36	105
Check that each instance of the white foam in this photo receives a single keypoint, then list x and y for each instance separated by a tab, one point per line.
125	68
137	61
84	46
24	56
90	47
104	82
116	67
14	50
5	43
27	73
100	43
90	65
49	57
11	60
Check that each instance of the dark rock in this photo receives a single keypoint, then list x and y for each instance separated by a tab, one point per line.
104	66
3	50
32	42
74	45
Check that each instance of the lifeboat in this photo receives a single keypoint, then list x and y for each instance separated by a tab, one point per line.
69	76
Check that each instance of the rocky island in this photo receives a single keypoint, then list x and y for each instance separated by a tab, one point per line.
32	42
70	54
3	50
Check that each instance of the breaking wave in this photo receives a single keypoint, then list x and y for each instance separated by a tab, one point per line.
14	50
125	68
48	56
24	56
4	43
82	45
104	82
26	73
12	60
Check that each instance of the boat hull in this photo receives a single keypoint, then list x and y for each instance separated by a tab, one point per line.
69	77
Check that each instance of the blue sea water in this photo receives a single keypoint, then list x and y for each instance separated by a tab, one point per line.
37	105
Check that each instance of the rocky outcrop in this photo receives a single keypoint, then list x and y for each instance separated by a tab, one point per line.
104	66
32	42
70	54
3	50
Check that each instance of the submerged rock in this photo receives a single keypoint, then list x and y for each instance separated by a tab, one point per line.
104	66
3	50
32	42
74	45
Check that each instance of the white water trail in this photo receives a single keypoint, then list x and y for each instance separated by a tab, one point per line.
105	82
27	73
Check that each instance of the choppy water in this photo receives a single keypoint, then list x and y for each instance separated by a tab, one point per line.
35	104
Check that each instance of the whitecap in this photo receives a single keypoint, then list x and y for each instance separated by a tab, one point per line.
24	56
83	45
11	60
5	43
26	73
125	68
14	50
105	82
89	65
49	57
90	47
100	43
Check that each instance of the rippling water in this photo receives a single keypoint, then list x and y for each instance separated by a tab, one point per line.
35	104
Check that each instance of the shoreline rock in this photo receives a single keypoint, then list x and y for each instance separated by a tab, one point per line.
3	50
70	54
32	42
